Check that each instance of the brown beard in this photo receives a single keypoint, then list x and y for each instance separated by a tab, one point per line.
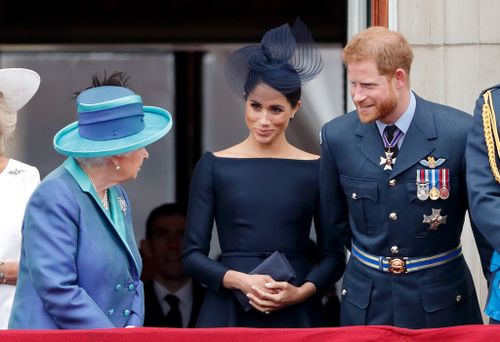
387	106
382	110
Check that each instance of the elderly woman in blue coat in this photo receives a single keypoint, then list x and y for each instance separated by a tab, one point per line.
80	267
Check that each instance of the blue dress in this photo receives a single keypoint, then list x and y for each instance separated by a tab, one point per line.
259	205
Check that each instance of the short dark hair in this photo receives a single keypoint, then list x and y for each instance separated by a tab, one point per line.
271	78
167	209
117	79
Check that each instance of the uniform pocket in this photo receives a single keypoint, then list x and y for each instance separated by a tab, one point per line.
362	198
449	301
356	295
417	208
411	189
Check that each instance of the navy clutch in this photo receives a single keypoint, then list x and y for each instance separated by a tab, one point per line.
276	266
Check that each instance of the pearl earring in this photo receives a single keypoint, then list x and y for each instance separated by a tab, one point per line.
117	167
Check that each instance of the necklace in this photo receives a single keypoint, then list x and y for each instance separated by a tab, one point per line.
104	199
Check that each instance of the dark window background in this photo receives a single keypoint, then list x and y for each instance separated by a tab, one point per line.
172	21
186	30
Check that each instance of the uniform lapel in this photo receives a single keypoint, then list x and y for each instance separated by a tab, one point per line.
371	143
420	139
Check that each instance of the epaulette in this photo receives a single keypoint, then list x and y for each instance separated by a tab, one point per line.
491	136
495	87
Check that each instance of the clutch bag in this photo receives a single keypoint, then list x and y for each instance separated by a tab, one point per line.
276	266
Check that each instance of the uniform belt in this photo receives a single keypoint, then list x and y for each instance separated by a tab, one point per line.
401	265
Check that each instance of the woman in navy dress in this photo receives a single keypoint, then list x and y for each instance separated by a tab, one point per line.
263	194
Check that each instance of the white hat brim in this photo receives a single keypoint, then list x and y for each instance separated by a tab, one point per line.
18	85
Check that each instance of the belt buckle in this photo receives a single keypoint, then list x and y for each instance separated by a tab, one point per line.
397	265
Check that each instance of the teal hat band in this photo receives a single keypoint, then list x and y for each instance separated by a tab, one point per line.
122	101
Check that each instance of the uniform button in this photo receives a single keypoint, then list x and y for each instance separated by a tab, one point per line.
393	216
344	292
118	287
131	287
394	250
458	298
354	196
126	313
111	312
392	183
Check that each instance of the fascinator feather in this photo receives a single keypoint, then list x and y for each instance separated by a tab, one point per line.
285	59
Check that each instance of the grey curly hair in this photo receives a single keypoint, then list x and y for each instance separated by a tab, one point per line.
8	120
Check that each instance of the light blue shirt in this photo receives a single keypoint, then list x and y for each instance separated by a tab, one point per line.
493	305
403	123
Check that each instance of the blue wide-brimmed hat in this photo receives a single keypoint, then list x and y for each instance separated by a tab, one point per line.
111	120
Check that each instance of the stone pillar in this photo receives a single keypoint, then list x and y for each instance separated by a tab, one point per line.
457	54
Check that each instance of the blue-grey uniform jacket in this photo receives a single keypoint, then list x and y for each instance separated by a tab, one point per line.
381	211
484	195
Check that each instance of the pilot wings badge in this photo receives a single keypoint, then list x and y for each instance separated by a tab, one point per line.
432	163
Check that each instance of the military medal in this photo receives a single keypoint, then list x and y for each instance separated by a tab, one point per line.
389	161
434	192
422	184
423	192
434	219
444	180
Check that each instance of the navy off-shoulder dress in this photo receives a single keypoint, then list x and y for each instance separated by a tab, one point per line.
259	205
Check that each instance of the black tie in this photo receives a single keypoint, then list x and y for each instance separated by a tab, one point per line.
173	318
389	134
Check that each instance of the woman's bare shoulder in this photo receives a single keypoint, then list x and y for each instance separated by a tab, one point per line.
303	155
235	151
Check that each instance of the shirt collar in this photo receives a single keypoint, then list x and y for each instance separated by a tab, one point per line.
403	123
185	292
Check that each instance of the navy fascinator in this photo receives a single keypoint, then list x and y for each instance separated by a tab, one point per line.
285	59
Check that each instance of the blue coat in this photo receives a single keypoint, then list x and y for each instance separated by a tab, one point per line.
361	197
75	270
484	196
